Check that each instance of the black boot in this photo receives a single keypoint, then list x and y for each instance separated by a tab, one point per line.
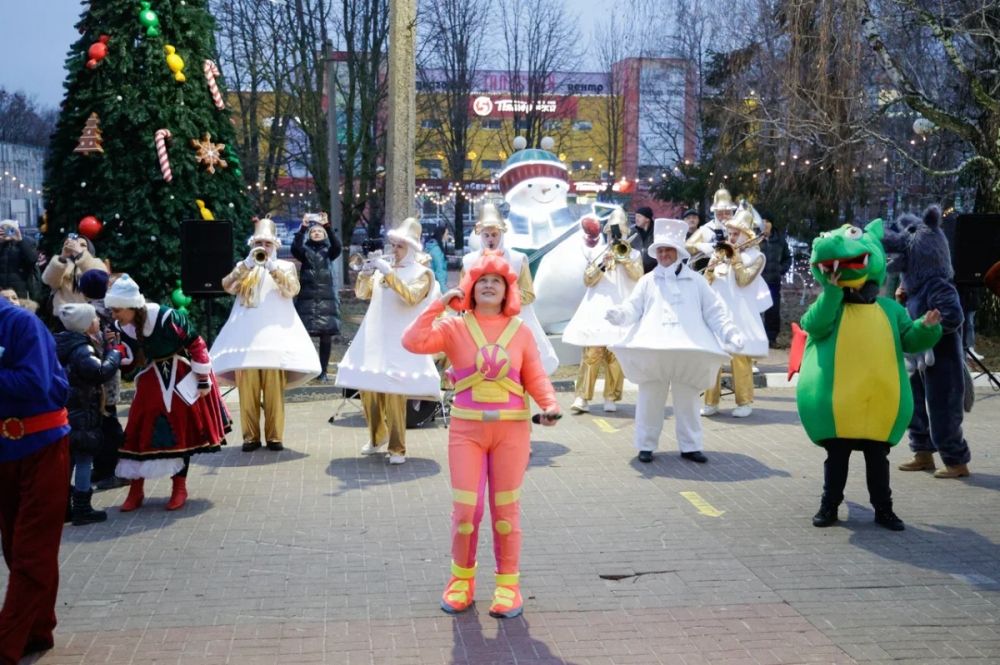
885	517
83	512
826	516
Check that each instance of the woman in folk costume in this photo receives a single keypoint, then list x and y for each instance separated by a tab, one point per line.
612	272
735	274
490	227
495	365
678	327
263	348
376	363
177	410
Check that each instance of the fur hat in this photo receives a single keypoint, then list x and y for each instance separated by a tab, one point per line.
124	293
408	231
669	233
94	284
77	316
489	218
490	263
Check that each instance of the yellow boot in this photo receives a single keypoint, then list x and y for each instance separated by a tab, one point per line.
957	471
460	591
922	461
507	601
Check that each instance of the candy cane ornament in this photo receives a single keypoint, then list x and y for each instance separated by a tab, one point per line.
160	138
211	71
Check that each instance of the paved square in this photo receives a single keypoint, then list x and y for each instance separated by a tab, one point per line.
318	555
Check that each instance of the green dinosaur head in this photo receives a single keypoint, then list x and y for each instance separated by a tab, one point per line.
856	255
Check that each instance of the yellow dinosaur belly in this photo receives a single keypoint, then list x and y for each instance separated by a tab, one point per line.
866	384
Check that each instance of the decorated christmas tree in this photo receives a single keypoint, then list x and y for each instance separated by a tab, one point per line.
147	70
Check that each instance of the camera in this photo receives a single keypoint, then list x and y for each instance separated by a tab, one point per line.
9	232
720	236
616	232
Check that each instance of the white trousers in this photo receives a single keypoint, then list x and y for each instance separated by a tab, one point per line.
649	416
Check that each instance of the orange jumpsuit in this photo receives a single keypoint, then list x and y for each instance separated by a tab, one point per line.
495	362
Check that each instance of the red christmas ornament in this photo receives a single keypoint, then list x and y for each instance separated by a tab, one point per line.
90	227
97	51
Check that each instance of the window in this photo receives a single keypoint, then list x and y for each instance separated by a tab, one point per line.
491	164
551	125
491	124
430	123
430	164
583	126
522	124
468	165
581	166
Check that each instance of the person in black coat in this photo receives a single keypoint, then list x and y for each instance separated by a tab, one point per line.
17	260
87	369
778	260
317	304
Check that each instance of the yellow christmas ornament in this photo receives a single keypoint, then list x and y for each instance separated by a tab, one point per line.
206	214
175	63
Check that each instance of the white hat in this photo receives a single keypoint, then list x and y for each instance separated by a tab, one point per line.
77	317
408	231
265	230
669	233
124	293
489	218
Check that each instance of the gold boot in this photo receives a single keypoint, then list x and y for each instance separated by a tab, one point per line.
957	471
922	461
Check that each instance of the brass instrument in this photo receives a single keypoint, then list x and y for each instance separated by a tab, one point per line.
259	255
358	263
731	251
619	250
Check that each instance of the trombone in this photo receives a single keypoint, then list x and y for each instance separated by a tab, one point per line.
618	249
729	250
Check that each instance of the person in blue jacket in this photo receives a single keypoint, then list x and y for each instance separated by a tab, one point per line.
434	247
34	466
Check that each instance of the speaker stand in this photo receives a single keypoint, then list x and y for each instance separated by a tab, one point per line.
982	370
348	397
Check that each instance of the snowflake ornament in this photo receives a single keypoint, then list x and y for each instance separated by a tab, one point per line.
209	154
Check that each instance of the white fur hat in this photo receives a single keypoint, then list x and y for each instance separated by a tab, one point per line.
77	317
669	233
124	293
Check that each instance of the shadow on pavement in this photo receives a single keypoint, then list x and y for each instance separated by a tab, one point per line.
543	452
985	480
358	473
149	517
233	456
722	467
509	642
962	553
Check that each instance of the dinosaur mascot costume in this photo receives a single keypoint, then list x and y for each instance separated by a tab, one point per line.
853	391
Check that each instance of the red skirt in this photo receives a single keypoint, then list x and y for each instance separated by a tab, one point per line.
155	432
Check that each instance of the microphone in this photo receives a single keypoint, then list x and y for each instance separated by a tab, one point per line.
537	418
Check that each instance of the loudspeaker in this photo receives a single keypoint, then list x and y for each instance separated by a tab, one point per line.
206	256
975	247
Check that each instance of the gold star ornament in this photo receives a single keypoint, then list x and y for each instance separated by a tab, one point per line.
209	154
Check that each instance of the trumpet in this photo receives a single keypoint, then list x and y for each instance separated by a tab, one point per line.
259	255
358	263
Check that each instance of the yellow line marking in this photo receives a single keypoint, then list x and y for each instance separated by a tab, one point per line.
604	426
704	507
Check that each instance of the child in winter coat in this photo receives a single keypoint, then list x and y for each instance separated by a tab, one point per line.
88	367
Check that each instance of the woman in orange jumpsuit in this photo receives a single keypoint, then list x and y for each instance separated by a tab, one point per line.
495	366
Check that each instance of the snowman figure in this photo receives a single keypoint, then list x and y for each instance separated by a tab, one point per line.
542	225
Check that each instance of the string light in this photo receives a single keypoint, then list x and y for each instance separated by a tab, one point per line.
7	175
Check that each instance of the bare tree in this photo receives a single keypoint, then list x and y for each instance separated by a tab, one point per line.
539	39
452	48
252	44
612	42
23	121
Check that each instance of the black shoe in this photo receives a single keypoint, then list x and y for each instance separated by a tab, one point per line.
36	645
696	456
274	445
889	520
83	512
250	446
645	456
827	516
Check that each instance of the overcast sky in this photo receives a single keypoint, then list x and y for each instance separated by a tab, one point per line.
37	42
